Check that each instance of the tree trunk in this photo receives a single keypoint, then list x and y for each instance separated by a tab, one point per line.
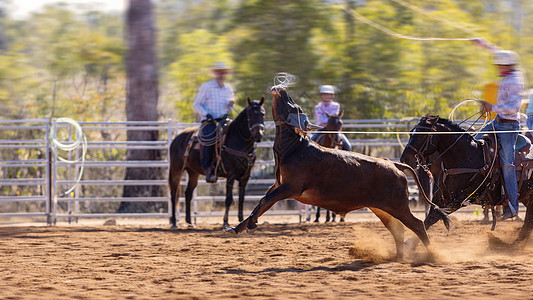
141	101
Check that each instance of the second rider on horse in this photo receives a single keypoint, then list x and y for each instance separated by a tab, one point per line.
509	100
215	99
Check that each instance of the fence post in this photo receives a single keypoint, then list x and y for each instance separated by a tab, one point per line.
54	178
48	175
170	134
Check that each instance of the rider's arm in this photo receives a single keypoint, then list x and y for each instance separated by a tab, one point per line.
231	100
319	114
199	101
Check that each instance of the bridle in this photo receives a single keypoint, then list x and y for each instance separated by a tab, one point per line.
428	141
251	128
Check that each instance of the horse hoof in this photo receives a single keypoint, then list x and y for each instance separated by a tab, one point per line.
225	226
190	226
174	227
250	230
231	231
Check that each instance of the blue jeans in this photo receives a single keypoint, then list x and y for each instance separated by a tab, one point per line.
345	141
507	144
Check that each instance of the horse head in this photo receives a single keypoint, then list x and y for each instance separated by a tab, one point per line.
420	146
335	124
255	112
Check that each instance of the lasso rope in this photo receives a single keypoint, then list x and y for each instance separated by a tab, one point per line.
284	80
391	32
204	140
80	140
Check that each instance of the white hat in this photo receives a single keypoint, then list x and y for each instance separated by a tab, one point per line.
327	89
220	65
505	57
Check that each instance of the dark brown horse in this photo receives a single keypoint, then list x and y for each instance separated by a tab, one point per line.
330	139
469	175
237	159
310	174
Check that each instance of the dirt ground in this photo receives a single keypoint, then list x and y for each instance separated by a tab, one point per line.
280	261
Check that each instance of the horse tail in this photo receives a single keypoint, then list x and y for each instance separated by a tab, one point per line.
445	218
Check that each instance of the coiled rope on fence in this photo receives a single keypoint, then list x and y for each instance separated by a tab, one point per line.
79	141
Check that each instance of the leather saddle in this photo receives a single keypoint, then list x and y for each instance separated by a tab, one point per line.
523	159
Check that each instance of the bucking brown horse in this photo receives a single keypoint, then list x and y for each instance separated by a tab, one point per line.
337	180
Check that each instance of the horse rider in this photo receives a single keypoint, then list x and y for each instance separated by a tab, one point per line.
215	99
328	107
509	100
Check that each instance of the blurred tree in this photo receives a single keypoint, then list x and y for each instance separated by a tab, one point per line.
141	101
275	36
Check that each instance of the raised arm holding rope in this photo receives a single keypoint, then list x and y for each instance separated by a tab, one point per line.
215	99
509	100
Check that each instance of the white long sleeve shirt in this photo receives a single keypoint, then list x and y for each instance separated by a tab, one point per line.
213	99
509	97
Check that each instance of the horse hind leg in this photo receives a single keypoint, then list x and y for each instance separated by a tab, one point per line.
174	179
317	216
526	229
395	227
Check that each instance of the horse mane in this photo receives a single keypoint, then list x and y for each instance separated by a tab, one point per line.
443	121
451	125
239	118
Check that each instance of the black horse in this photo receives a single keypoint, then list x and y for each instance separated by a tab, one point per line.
331	139
237	159
469	173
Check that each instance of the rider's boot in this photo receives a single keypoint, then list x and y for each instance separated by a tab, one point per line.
509	211
210	175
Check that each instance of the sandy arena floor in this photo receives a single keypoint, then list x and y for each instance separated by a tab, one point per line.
280	261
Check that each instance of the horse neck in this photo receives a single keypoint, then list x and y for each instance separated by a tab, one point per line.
286	140
456	149
239	136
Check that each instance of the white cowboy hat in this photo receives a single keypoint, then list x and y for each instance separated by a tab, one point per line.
220	66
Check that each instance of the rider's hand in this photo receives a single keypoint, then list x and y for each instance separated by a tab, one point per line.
481	42
486	107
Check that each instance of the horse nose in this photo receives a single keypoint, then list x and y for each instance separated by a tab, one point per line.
258	135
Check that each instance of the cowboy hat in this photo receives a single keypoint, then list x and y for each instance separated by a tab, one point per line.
220	66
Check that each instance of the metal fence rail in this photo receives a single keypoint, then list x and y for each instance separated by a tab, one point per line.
110	137
11	166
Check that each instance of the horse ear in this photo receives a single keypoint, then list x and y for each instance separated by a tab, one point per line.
262	101
341	112
249	101
327	115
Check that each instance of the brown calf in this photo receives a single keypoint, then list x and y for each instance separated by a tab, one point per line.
337	180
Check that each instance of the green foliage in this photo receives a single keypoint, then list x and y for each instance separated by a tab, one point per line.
66	61
200	50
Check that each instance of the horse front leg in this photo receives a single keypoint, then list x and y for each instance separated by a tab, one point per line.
242	190
191	185
229	201
272	196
